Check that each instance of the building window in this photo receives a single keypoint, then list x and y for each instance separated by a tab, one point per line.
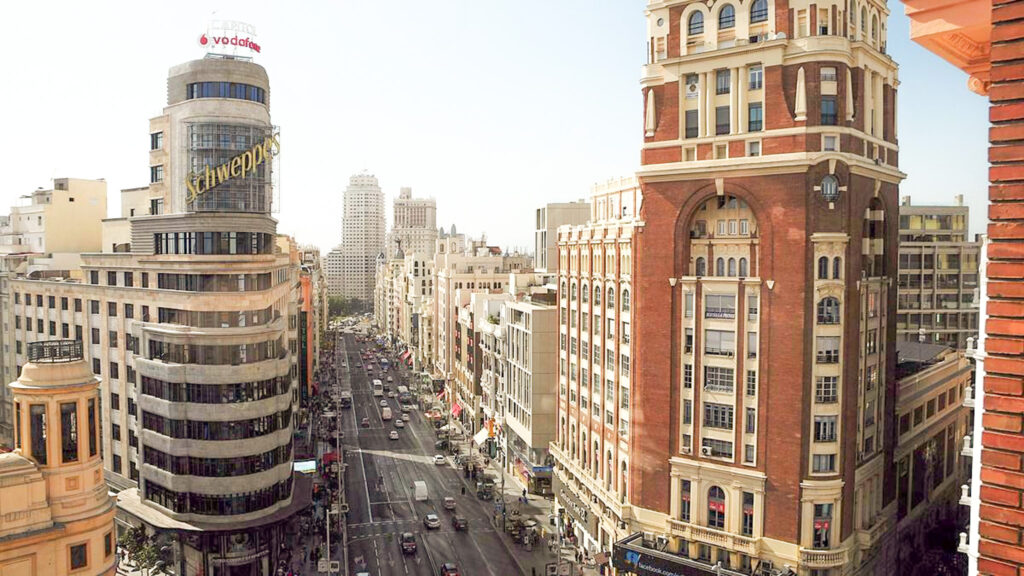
696	25
828	349
823	463
756	78
748	514
754	148
822	526
830	143
722	80
755	115
751	344
720	306
759	11
826	389
719	342
687	411
108	544
79	556
688	376
156	141
829	116
684	501
828	74
692	124
69	432
751	383
92	427
751	421
828	310
718	416
156	173
37	432
716	508
727	17
748	453
825	428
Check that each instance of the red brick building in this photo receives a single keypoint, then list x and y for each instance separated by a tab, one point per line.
764	297
985	39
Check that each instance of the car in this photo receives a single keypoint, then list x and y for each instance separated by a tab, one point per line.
399	423
449	503
383	403
393	435
365	422
439	460
391	393
405	417
447	569
459	523
405	408
431	521
441	445
408	541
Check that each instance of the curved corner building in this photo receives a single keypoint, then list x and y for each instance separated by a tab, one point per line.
190	322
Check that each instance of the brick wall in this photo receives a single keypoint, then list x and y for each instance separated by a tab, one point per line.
1001	514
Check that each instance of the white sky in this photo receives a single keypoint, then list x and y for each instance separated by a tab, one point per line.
492	107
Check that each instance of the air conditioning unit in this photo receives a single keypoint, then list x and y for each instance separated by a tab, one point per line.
705	451
687	450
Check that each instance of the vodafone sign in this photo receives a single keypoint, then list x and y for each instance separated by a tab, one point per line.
228	37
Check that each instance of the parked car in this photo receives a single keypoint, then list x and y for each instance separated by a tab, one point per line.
448	569
459	523
439	460
408	541
449	503
365	422
441	445
393	435
431	521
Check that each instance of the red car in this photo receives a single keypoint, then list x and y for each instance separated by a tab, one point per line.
448	569
408	543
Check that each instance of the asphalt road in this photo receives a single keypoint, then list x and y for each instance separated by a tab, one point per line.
379	484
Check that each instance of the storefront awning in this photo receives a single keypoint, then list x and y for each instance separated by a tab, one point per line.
480	437
406	354
632	555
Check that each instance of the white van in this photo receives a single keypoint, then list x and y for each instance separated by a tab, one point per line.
385	413
420	490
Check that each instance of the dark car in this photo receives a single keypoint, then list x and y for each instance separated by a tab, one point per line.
365	423
448	569
460	523
441	445
408	541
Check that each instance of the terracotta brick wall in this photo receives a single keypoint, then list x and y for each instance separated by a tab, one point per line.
1002	515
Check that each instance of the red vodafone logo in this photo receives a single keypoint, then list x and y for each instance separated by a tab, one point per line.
227	42
203	41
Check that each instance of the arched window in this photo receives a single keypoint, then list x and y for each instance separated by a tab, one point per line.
853	13
625	300
572	440
727	17
572	294
874	27
609	471
701	267
744	272
863	19
732	267
823	268
828	311
611	298
584	294
597	296
597	459
585	455
837	268
720	267
623	484
696	24
716	508
759	11
564	289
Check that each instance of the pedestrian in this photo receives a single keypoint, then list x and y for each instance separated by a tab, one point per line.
463	489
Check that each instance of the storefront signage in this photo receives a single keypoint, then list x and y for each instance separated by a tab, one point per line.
238	167
572	503
227	36
631	556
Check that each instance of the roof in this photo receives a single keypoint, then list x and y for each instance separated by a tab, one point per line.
912	357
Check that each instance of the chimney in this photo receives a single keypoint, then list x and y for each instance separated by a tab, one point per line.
959	199
905	201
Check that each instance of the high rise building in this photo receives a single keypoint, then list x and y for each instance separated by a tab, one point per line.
362	237
193	327
58	516
594	453
938	276
764	282
333	263
414	228
547	220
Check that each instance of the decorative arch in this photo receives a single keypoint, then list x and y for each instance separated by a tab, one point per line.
572	292
837	268
759	11
695	24
597	296
828	310
744	270
625	300
584	293
727	17
702	267
720	266
823	268
610	302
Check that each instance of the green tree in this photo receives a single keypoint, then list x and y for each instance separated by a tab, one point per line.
141	551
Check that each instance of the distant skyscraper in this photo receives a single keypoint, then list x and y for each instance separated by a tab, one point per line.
545	236
362	236
334	261
414	225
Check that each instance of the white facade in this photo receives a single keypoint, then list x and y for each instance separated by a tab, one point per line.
333	265
414	228
362	229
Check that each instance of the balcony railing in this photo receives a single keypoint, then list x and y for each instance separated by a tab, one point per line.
823	558
705	535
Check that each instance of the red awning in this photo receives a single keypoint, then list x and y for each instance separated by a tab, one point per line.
456	409
330	457
406	354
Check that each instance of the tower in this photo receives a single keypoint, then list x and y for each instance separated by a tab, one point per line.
363	228
765	300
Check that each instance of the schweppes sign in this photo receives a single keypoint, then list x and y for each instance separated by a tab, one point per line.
238	167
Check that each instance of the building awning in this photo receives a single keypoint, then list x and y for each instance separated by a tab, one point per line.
456	409
632	555
480	437
406	354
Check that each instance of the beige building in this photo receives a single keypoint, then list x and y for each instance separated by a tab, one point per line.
57	517
548	219
414	228
362	237
193	326
938	277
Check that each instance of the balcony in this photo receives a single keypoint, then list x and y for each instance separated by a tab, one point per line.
810	558
705	535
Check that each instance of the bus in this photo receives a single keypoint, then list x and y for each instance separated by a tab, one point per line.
403	395
346	399
378	387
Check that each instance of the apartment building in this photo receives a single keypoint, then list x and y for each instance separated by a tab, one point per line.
192	326
333	266
765	279
362	237
414	224
594	451
938	277
547	220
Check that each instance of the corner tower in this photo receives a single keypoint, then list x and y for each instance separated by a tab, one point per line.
764	293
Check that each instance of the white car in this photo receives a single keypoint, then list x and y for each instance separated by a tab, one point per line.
439	460
384	403
399	423
431	521
405	417
393	435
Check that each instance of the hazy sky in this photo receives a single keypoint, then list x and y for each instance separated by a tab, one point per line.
491	107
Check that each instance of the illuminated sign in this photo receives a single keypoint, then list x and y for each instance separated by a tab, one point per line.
227	36
238	167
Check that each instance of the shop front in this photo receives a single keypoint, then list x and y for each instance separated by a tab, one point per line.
633	555
577	522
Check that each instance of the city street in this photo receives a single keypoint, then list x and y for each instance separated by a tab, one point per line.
379	482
